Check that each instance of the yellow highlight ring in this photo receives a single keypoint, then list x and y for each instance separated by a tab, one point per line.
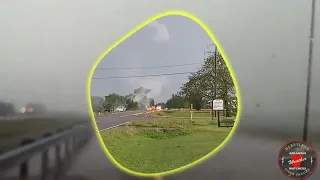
224	56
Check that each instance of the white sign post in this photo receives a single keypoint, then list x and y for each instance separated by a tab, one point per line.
191	111
217	105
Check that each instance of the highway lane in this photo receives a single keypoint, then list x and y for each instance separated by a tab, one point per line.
114	120
93	163
103	122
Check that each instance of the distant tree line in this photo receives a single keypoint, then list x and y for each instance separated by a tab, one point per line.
133	101
7	109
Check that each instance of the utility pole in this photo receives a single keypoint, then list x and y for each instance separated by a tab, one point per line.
209	54
306	115
213	55
212	90
215	77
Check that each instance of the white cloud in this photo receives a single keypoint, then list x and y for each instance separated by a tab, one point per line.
162	33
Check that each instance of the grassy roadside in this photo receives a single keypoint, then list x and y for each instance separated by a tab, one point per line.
165	143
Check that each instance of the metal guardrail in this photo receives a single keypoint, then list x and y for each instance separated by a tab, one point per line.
73	138
17	117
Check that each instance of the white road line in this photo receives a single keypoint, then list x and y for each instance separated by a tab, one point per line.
114	126
131	115
126	115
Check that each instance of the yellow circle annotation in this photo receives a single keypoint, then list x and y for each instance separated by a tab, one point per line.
224	56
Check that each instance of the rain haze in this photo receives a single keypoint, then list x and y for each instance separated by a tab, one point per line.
172	40
47	48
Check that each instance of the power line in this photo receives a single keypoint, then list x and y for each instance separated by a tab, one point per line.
141	76
149	67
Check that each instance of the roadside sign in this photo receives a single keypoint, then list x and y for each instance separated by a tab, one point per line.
217	105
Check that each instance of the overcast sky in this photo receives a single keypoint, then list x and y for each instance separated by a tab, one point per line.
47	48
172	40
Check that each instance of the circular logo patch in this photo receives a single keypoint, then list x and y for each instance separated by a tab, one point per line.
297	160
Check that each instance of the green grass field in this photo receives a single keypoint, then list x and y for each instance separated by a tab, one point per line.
182	113
166	143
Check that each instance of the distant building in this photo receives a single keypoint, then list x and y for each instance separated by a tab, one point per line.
120	109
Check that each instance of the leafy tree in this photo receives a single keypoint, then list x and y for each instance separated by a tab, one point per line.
112	101
138	99
130	96
202	83
152	103
176	101
131	104
197	105
107	106
197	101
186	104
97	104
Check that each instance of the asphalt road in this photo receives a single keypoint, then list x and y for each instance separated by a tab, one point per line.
88	154
94	161
113	120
